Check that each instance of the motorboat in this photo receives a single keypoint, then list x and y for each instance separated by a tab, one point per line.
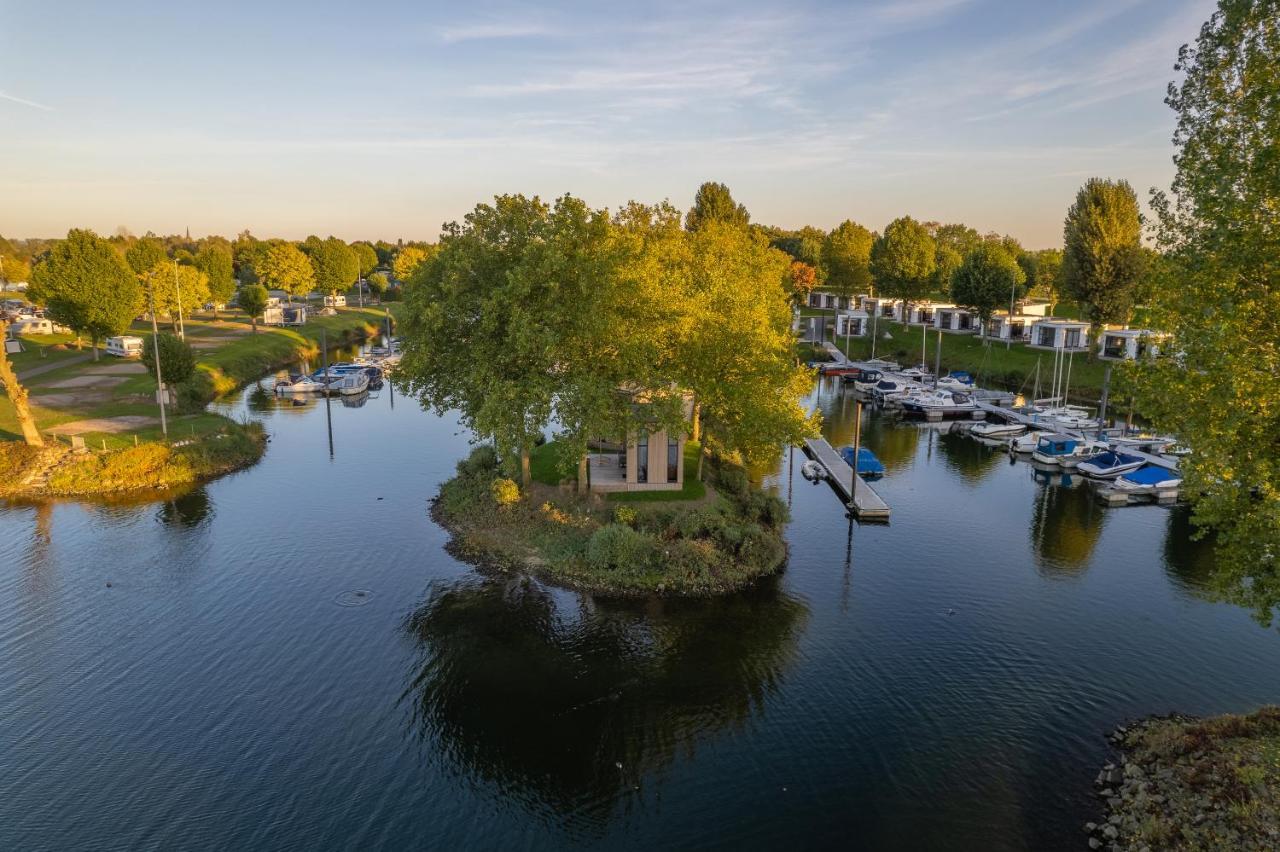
867	380
869	467
919	373
1070	417
851	378
993	429
951	383
842	369
299	383
892	390
1148	478
350	383
1110	464
1065	450
1025	443
947	402
813	471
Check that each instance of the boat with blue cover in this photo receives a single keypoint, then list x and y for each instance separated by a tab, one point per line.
1149	478
1110	464
1066	450
869	467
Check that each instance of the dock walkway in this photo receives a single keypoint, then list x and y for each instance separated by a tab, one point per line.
867	504
1166	462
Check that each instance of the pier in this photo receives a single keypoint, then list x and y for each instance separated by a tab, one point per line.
1011	416
867	504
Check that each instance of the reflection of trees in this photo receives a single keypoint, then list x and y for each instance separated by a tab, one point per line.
1065	526
259	399
187	510
1237	572
972	460
568	711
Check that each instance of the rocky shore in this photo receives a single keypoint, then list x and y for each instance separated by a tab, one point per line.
1183	783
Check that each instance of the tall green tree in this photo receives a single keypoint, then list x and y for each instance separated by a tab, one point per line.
714	203
987	279
952	244
846	257
252	299
214	260
85	284
1044	273
335	265
169	288
407	260
377	282
1102	251
145	253
285	267
177	358
903	261
246	252
805	245
1219	229
366	258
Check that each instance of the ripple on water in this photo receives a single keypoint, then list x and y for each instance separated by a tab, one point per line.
354	597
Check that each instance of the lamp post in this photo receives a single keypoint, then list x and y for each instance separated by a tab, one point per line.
155	347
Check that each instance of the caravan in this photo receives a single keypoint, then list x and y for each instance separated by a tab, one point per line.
126	346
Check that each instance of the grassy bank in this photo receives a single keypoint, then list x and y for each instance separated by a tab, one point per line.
1192	784
57	471
672	547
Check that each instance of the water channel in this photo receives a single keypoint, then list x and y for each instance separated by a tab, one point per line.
289	658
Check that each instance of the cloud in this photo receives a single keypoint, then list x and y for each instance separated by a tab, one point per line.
492	31
17	100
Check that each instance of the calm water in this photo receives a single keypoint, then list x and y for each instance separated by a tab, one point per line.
288	658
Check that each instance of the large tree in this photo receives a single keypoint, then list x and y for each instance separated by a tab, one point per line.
366	258
805	245
145	253
335	265
988	278
85	284
214	260
407	260
1102	251
903	260
284	267
952	244
714	203
846	257
252	299
1044	273
172	290
1220	231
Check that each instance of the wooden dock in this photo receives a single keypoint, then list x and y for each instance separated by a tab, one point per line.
867	504
1011	416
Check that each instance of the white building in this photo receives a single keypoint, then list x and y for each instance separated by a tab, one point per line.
955	319
851	323
1001	327
1128	344
828	301
922	313
882	307
1065	334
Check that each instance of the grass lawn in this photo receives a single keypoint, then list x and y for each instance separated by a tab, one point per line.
545	467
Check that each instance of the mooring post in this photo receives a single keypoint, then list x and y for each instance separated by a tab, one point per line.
857	445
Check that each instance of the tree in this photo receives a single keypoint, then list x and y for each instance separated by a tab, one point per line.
1219	229
954	242
1044	273
171	289
214	260
252	299
985	280
903	260
805	245
145	253
335	264
377	282
714	203
17	393
366	258
177	358
846	257
407	261
86	285
1102	251
285	267
246	252
803	279
13	267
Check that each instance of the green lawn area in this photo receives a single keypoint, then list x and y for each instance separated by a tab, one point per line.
545	467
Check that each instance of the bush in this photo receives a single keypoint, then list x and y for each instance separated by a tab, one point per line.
765	509
701	523
177	358
483	460
615	546
732	478
505	492
758	548
625	515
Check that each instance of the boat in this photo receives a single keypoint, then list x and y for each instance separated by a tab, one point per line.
951	383
867	380
919	373
299	383
869	467
1110	464
852	378
947	402
813	471
993	429
350	383
892	390
1065	450
1025	443
1148	478
838	369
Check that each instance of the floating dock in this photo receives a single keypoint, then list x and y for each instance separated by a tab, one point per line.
1011	416
867	504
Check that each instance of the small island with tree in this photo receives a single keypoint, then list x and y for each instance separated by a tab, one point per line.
660	356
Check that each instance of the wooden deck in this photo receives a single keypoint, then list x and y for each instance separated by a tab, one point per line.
867	504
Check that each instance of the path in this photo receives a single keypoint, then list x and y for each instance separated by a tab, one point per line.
32	372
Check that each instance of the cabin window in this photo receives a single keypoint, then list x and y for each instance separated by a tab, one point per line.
642	458
1046	336
673	459
1072	338
1114	347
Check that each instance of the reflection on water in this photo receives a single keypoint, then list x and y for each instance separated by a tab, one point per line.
187	510
569	709
972	460
1066	523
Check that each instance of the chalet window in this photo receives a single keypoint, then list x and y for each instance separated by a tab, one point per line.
1073	338
673	459
1046	336
642	458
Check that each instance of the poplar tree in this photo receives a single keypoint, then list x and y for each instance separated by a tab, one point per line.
1102	257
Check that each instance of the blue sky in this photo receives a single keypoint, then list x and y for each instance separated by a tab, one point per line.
384	119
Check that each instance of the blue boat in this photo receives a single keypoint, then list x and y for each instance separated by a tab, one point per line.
869	467
1149	478
1110	465
961	376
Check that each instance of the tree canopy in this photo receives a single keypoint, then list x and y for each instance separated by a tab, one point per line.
169	286
1102	250
85	284
177	358
1219	228
903	260
214	260
252	299
953	244
986	279
335	265
407	261
714	203
366	258
846	257
285	267
145	253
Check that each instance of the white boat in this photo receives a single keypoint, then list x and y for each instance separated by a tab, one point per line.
893	390
350	384
1025	443
1109	465
946	402
1066	450
992	429
298	383
813	471
951	383
919	373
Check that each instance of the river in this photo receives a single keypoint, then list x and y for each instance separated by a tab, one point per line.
289	658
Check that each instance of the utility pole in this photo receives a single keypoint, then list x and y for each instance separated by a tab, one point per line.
937	369
155	347
1013	296
182	326
857	448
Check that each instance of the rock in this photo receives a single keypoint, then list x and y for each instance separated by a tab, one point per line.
1133	770
1110	832
1114	802
1091	827
1094	843
1114	819
1114	776
1106	793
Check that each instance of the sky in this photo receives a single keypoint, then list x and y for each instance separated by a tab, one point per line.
383	120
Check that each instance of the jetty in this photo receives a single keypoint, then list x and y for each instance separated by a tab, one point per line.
1011	416
867	504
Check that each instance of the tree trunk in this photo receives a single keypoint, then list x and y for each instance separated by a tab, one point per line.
17	395
584	475
697	421
93	341
525	476
254	322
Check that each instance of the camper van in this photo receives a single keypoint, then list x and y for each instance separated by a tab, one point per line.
335	301
124	347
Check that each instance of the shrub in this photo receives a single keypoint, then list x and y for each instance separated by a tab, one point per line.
615	546
759	548
505	492
661	522
625	515
765	509
731	478
691	558
177	358
700	523
483	460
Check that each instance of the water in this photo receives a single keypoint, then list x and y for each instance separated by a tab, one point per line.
288	658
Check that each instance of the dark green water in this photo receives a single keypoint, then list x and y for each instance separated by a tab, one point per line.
288	658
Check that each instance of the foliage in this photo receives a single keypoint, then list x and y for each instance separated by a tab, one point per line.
624	515
1220	230
803	279
407	261
85	285
1044	273
617	546
804	245
714	203
505	492
377	283
285	267
335	265
177	358
846	258
483	460
169	287
988	278
1102	250
252	299
145	253
14	268
903	260
214	260
953	244
366	258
